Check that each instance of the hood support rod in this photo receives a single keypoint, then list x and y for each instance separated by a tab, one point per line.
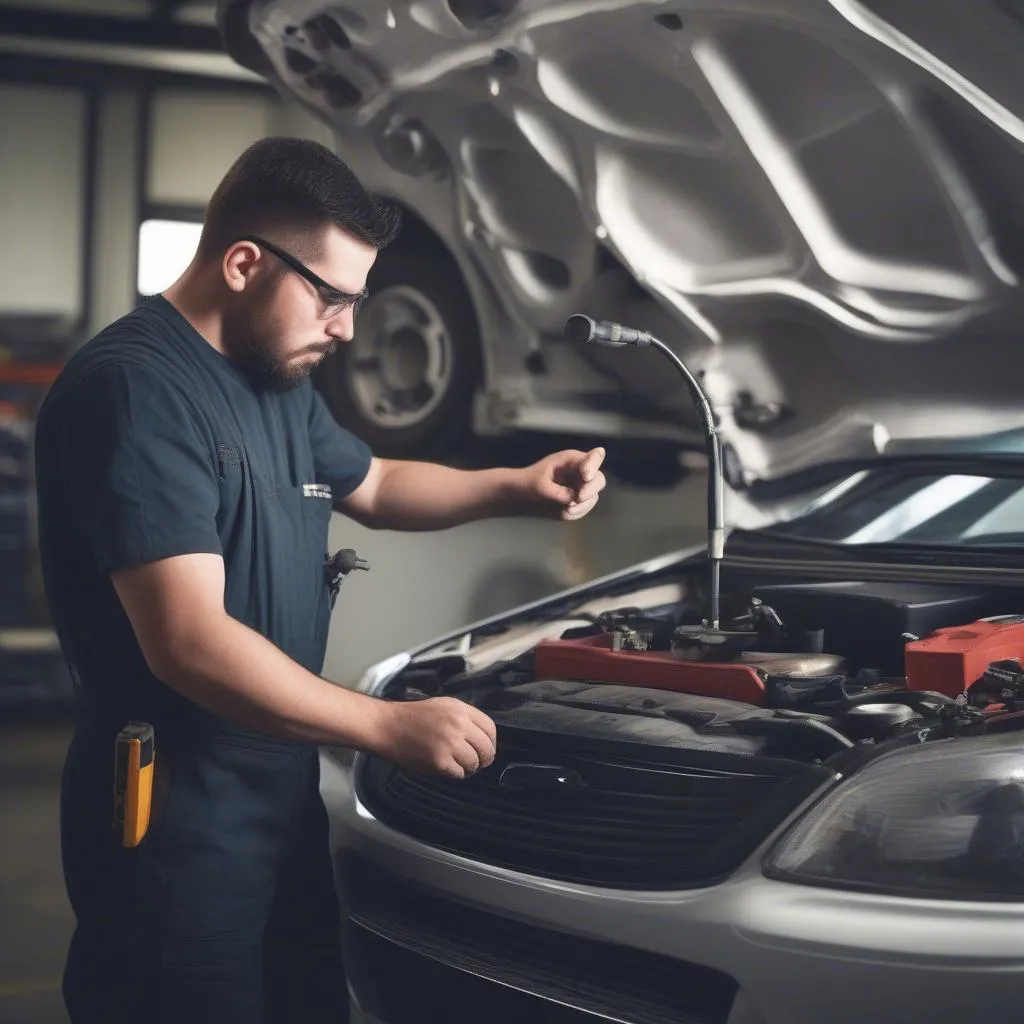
582	330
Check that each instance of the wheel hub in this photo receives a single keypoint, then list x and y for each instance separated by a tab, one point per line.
401	358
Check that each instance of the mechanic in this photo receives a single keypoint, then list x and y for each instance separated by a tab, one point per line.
186	473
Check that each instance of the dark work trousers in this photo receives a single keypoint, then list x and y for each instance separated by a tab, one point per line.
226	912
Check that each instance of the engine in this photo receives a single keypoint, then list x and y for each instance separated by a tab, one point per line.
799	671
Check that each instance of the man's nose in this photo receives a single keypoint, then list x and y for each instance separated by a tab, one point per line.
342	326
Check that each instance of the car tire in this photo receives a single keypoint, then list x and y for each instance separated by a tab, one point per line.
405	383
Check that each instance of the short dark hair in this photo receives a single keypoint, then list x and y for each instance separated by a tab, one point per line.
291	190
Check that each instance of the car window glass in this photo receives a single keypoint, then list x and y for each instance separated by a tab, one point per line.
918	509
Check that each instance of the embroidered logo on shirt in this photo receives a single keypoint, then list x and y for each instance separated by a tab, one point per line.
316	491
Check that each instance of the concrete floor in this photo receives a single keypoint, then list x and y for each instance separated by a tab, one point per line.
37	921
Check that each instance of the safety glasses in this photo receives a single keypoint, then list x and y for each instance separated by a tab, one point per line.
334	300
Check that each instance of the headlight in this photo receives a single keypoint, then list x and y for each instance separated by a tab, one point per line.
943	820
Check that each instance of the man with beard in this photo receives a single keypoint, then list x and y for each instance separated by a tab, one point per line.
186	475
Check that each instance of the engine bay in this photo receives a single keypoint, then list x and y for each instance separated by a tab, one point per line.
807	671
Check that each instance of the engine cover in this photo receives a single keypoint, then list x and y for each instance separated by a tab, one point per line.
592	658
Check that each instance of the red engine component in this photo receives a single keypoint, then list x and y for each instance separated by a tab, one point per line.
950	660
592	659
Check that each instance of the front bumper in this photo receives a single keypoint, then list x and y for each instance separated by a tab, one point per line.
782	953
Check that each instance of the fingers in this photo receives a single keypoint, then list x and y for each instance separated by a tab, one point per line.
577	510
591	464
575	480
591	489
471	740
483	746
586	499
476	751
467	758
485	723
592	480
557	492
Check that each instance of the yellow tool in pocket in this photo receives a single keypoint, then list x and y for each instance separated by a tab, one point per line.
134	758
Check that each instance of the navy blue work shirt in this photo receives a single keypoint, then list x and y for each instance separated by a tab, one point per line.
152	444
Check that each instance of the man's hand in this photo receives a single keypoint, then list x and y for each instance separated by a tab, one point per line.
569	482
440	734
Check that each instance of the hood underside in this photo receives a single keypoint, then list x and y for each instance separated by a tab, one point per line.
819	199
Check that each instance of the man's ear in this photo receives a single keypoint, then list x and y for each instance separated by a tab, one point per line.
239	263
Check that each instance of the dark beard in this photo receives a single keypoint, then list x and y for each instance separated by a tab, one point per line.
265	373
251	342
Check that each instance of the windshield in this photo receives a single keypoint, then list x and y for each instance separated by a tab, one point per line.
914	508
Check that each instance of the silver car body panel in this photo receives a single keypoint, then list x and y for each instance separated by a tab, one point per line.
804	199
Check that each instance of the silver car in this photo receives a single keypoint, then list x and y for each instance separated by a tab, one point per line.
810	809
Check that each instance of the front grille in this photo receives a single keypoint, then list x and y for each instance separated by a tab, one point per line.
644	818
413	956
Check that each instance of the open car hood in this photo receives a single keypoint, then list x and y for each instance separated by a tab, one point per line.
822	198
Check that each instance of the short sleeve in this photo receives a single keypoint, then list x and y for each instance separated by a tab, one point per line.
341	459
139	473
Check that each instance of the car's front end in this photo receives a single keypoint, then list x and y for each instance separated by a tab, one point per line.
434	936
802	830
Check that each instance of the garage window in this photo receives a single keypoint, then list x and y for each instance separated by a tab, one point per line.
166	248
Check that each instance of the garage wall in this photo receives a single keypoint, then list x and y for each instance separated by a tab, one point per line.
42	216
80	166
194	140
195	136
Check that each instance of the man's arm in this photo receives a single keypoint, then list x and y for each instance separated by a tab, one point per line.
385	494
424	496
176	609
